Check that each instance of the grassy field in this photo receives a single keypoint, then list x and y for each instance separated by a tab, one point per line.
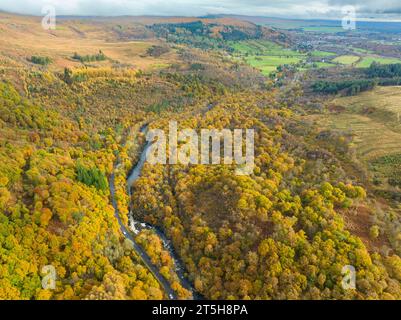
255	47
318	53
367	61
268	64
372	139
85	38
324	65
385	101
324	29
374	119
346	60
265	55
364	51
259	47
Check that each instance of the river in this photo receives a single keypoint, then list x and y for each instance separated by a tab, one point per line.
137	226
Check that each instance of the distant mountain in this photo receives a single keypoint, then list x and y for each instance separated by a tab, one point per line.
286	23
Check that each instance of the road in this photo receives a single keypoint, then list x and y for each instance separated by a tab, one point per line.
138	249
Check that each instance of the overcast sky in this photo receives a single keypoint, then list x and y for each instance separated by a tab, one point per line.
275	8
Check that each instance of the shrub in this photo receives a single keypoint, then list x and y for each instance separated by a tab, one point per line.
44	61
374	232
90	58
8	94
157	51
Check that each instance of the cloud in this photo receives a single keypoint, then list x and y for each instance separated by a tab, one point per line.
371	6
282	8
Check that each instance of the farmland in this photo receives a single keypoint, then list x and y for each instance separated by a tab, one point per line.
367	61
346	60
267	56
323	29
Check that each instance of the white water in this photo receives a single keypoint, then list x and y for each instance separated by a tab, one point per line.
136	226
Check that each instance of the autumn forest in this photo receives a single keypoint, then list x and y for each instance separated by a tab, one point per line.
75	104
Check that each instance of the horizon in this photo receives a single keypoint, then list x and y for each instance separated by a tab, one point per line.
368	10
82	16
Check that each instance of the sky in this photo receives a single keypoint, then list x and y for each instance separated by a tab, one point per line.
379	9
